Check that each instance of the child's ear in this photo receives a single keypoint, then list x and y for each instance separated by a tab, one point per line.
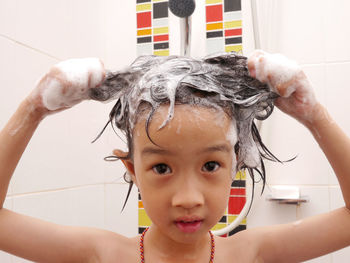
129	165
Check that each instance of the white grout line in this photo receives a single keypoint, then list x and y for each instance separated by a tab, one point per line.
63	189
55	190
29	47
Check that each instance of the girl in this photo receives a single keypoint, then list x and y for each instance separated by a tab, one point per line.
189	128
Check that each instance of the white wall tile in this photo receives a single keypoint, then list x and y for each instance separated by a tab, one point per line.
336	88
125	223
20	260
7	12
118	32
337	31
82	206
265	212
291	28
323	259
341	256
287	138
61	28
5	257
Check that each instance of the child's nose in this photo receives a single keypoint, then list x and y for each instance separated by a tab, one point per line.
188	195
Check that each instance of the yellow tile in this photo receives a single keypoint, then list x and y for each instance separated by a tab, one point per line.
158	1
240	175
218	226
143	7
237	48
160	30
232	218
143	218
163	52
144	32
214	26
233	24
213	1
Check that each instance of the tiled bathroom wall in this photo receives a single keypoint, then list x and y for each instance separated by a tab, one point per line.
62	176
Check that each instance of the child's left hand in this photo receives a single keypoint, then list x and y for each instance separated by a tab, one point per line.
287	79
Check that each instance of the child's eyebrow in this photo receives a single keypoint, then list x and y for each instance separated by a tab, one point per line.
214	148
217	148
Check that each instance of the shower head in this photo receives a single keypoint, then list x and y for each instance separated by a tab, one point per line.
182	8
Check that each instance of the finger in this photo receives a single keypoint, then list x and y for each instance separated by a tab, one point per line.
252	61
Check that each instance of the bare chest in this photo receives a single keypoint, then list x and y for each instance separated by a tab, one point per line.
225	252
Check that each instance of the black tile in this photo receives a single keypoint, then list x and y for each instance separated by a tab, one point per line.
234	40
141	229
237	229
238	183
164	45
232	5
160	10
214	34
144	40
142	1
223	219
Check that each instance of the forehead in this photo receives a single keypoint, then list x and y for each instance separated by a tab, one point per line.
192	126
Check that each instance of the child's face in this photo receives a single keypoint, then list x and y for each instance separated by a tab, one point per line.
188	177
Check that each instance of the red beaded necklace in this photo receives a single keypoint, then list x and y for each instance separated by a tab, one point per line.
212	251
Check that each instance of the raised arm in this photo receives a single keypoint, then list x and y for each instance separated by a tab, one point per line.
314	236
65	85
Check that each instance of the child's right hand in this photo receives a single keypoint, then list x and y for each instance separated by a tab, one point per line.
66	84
287	79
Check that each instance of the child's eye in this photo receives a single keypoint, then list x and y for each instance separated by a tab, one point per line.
211	166
161	168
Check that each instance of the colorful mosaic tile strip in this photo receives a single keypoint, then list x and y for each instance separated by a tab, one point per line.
152	27
224	34
223	26
236	203
152	38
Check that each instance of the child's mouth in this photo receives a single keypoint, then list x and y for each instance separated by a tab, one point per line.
188	226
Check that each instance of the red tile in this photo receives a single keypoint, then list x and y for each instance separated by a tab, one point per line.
214	13
144	19
160	38
237	191
233	32
235	205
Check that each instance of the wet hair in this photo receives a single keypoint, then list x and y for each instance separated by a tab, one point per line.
219	81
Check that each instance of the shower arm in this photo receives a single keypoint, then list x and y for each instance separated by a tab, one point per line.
256	32
185	37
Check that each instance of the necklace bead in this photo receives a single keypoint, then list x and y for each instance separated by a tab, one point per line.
212	250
